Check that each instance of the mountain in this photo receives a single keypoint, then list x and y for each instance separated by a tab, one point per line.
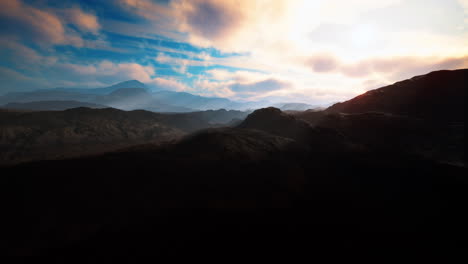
140	97
422	116
376	175
51	105
193	101
294	106
129	95
26	135
106	90
78	131
220	116
438	95
137	98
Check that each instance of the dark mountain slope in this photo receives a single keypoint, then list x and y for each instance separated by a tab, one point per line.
422	116
439	95
274	121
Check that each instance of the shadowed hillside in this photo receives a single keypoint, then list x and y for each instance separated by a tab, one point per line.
438	95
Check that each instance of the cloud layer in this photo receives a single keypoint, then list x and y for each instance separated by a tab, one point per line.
307	50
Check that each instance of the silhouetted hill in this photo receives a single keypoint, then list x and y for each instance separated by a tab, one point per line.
437	95
232	144
51	105
276	122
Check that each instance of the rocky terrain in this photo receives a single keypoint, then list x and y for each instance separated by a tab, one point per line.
361	177
31	135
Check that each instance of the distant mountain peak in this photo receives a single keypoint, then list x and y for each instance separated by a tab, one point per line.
129	84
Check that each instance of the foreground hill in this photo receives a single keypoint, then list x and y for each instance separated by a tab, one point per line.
422	116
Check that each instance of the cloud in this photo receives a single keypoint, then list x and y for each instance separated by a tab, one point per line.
259	87
324	50
168	84
210	19
179	64
240	84
393	67
398	68
45	26
98	74
34	23
205	87
13	81
24	57
85	21
230	25
464	5
323	63
148	9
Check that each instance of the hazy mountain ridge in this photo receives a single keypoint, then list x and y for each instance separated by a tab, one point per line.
132	95
129	95
105	90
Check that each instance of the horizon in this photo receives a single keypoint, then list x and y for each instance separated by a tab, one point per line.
301	51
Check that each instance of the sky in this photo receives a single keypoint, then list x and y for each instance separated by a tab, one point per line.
311	51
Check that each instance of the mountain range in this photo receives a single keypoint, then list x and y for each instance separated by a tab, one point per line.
129	95
382	173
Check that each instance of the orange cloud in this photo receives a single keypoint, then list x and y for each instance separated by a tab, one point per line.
84	21
48	26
